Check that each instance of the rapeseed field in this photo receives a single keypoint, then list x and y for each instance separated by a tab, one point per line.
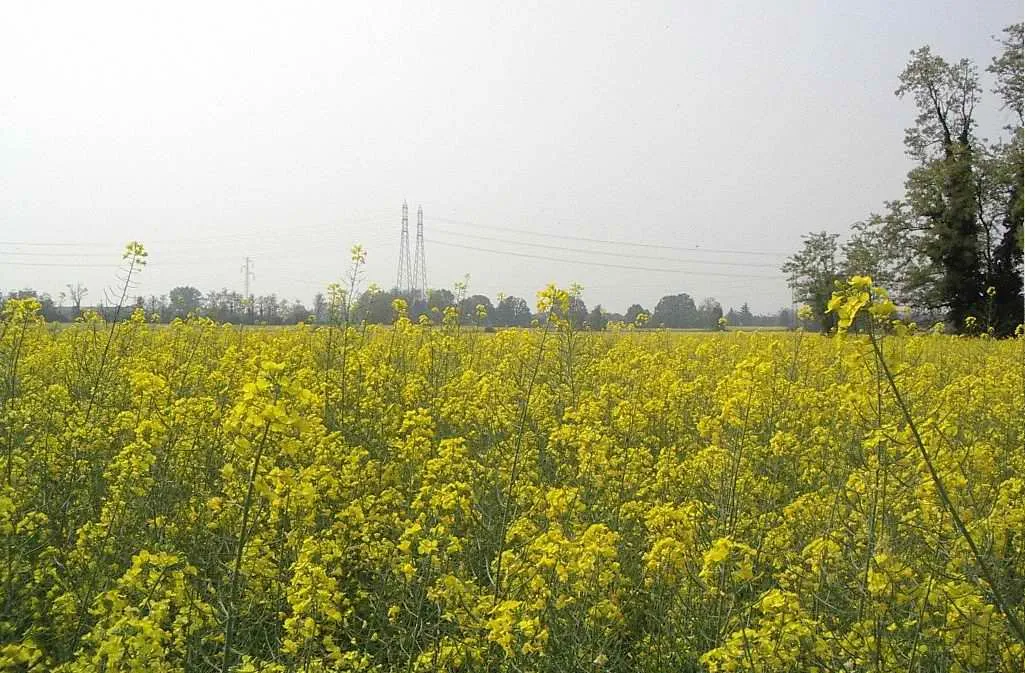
433	498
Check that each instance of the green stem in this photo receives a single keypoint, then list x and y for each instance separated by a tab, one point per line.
514	471
229	627
941	489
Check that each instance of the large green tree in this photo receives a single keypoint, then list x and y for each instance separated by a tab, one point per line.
954	241
675	311
709	312
185	299
512	312
812	273
891	248
468	309
1005	183
596	319
634	311
942	189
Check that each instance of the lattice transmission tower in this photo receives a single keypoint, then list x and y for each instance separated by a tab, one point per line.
247	277
404	278
420	259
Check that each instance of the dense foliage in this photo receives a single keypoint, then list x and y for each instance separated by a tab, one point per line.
375	307
197	497
954	241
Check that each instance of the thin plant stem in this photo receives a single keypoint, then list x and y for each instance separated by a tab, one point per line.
229	627
984	568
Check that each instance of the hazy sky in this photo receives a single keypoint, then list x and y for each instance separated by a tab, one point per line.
289	131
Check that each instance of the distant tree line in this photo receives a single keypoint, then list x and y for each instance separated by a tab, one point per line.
677	311
951	247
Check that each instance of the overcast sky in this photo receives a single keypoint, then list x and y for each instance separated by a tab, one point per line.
289	131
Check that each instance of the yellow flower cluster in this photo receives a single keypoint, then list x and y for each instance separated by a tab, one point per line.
200	497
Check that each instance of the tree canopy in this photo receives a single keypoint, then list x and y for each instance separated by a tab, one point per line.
953	242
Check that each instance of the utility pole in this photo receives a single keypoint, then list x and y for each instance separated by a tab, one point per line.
248	275
420	260
404	280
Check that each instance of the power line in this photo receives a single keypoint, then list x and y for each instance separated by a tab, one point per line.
60	243
566	237
156	263
193	241
55	254
662	258
65	266
603	264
